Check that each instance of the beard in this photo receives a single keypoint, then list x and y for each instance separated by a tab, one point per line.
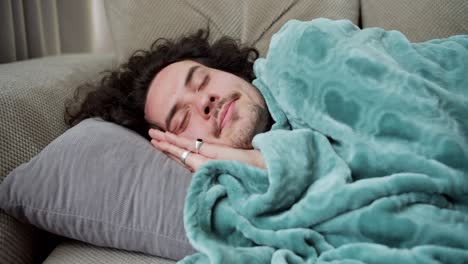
255	121
247	122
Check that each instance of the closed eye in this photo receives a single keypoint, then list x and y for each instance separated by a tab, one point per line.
184	123
203	84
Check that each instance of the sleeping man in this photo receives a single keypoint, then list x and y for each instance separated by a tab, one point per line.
342	145
185	88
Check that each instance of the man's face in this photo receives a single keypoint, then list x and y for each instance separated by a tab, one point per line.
194	101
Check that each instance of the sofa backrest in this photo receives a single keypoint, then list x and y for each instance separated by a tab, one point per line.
419	20
135	24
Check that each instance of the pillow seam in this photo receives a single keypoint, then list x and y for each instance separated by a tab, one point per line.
44	211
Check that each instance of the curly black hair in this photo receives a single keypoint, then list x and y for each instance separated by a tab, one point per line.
120	96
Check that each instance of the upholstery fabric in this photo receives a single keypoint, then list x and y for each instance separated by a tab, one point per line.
22	243
32	96
135	24
419	20
15	240
106	185
74	252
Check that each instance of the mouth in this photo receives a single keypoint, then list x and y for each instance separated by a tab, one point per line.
226	114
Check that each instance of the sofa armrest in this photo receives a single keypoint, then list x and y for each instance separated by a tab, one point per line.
32	97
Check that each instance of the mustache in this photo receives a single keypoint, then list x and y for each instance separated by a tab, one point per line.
217	110
220	104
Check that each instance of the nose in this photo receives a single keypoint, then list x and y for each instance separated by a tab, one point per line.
206	105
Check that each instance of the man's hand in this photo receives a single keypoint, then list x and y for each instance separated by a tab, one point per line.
174	146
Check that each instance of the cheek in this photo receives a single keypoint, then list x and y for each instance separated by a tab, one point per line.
194	131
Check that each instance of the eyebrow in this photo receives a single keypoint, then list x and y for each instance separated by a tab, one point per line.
176	107
192	69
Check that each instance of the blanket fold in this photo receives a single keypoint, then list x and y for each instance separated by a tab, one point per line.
367	161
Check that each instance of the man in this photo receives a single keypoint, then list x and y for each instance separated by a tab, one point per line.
187	89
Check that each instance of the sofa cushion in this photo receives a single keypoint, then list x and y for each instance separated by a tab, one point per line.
419	20
32	95
135	24
106	185
75	252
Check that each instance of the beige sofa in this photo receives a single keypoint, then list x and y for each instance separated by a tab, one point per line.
32	92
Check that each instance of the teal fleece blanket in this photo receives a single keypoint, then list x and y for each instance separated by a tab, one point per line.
367	161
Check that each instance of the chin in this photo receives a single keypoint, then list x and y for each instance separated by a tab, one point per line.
242	137
243	130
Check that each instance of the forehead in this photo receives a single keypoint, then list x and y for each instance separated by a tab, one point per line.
172	73
163	90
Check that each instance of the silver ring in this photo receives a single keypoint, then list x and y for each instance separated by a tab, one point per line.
184	156
198	144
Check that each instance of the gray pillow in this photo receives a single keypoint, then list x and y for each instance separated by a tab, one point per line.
106	185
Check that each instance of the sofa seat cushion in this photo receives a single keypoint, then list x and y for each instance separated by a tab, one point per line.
74	252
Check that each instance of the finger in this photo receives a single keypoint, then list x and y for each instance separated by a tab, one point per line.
220	152
164	149
210	151
193	160
177	159
183	142
206	149
179	141
156	134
